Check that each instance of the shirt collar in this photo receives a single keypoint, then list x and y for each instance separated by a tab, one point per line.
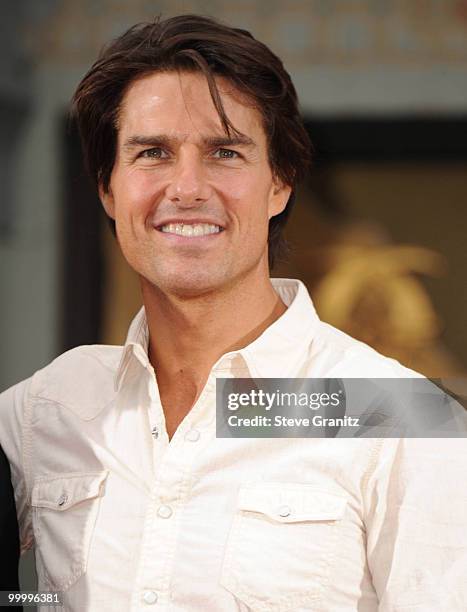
276	353
136	346
279	351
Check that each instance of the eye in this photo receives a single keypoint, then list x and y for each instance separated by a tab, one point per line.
226	154
155	153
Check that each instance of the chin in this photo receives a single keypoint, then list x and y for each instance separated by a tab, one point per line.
189	285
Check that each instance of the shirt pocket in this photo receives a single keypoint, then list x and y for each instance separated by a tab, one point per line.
281	545
64	514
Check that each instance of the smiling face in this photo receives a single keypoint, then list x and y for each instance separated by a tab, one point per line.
191	205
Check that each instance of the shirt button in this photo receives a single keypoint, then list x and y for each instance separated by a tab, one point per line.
63	499
164	511
284	511
149	597
192	435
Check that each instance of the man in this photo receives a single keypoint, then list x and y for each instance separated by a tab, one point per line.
192	133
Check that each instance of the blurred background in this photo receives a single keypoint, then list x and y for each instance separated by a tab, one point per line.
379	229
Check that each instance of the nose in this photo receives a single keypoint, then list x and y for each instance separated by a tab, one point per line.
188	185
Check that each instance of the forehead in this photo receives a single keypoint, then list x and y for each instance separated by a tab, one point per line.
181	103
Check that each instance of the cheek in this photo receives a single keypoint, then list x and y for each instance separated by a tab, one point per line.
134	193
247	194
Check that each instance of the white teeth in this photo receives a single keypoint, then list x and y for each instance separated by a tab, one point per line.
187	230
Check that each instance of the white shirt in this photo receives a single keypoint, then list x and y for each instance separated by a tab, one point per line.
122	520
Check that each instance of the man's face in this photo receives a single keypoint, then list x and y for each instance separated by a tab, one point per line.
191	205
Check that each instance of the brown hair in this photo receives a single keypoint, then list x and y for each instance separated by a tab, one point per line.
192	42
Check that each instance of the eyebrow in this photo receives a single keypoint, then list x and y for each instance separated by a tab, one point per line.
163	140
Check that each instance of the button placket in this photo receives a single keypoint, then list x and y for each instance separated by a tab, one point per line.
172	475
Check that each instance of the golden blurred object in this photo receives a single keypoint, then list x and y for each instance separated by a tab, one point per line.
370	291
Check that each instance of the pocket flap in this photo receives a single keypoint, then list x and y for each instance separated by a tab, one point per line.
63	492
286	503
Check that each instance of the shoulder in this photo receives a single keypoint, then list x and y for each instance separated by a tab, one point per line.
343	356
83	376
89	364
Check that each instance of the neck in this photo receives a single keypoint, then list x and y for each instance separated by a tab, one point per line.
190	335
187	336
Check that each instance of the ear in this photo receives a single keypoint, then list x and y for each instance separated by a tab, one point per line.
107	200
279	197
